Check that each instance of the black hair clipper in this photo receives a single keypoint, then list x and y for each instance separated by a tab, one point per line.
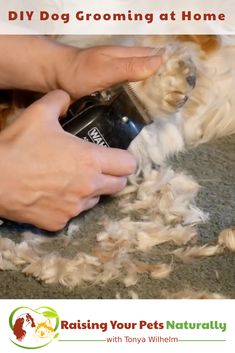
111	118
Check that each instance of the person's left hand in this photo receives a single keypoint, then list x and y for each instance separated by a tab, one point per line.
40	64
81	72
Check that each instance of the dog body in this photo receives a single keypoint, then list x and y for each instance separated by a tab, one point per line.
210	107
160	207
204	112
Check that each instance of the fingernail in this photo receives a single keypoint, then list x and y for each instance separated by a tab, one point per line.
157	51
123	181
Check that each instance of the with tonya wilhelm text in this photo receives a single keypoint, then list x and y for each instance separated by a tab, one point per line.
128	16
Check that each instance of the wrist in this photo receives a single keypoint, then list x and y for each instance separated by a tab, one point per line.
66	62
32	63
46	65
56	65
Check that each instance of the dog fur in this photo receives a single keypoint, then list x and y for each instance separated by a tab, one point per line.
208	61
161	199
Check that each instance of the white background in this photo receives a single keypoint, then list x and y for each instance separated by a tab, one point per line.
109	6
131	311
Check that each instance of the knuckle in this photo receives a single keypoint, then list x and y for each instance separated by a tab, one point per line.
63	95
39	108
91	186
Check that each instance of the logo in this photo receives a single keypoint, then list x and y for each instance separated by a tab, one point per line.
32	329
96	137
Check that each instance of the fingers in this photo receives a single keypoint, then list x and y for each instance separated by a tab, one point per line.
116	162
90	203
134	68
108	185
128	52
132	63
50	106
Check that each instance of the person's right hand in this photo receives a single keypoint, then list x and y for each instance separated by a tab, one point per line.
49	176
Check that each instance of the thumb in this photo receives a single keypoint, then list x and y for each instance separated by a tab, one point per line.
51	106
135	68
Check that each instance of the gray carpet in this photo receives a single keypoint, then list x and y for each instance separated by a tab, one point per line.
213	165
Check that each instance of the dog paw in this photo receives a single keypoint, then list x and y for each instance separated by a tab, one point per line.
170	87
177	77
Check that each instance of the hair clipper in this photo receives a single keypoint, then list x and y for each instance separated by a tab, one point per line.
112	118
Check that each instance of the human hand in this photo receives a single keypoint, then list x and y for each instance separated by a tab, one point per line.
81	72
42	64
49	176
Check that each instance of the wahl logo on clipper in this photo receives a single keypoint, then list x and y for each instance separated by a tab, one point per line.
96	137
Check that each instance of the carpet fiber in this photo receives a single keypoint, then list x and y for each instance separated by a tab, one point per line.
213	166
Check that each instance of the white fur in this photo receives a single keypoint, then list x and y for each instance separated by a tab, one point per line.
214	98
162	199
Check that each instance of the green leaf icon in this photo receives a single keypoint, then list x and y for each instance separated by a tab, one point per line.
46	311
50	314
